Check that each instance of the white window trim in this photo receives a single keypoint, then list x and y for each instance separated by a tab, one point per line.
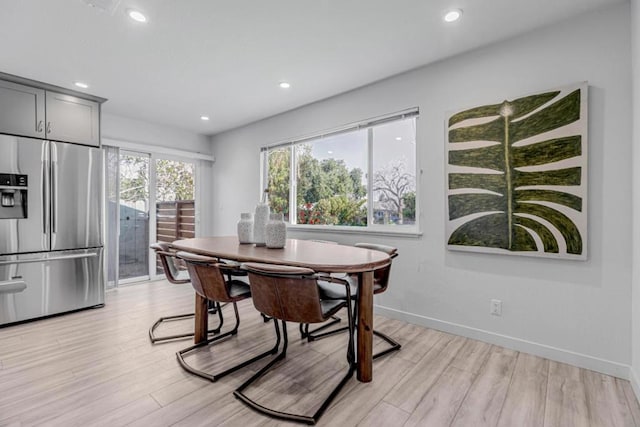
371	228
157	149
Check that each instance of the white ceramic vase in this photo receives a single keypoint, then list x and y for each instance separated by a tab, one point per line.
245	228
276	231
260	222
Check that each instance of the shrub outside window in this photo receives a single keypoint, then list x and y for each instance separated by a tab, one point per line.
363	176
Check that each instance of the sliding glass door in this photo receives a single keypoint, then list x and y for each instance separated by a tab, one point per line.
151	198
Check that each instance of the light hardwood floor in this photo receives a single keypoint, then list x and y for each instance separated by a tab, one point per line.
98	368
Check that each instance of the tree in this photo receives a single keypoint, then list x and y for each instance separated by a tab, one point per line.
279	167
392	183
327	191
134	178
175	180
409	210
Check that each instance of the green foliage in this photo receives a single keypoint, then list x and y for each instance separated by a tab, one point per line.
175	180
507	197
409	206
279	167
327	191
134	178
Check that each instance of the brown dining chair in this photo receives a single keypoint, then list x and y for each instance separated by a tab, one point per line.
291	294
380	283
304	327
176	276
209	281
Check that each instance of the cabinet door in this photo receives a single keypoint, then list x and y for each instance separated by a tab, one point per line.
72	119
21	110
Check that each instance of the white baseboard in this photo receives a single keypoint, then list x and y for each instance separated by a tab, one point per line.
635	385
607	367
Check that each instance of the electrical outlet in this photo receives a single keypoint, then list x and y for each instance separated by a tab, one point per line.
496	307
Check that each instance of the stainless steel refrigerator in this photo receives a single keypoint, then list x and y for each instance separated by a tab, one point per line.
51	228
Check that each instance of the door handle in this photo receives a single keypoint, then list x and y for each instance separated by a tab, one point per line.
54	187
57	258
48	128
12	286
39	126
44	184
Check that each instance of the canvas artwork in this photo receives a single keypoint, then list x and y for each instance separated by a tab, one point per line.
517	176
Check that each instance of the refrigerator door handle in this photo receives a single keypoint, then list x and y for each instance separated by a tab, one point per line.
57	258
12	286
54	187
44	186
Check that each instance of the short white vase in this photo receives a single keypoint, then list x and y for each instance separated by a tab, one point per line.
245	228
276	232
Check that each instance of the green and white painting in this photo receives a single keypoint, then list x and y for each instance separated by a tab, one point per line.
517	176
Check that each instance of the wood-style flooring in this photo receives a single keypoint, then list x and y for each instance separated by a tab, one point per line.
98	368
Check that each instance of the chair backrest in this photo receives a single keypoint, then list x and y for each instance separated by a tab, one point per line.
167	259
381	275
285	293
207	277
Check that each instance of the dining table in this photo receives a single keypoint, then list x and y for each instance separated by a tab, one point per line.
318	256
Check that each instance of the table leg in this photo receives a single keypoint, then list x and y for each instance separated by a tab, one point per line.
201	320
365	327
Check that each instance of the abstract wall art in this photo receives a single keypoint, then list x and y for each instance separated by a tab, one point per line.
517	176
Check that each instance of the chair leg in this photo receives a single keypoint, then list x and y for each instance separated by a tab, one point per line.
312	335
238	393
215	308
394	345
215	377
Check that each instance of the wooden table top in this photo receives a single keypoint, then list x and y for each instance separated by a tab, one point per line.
318	256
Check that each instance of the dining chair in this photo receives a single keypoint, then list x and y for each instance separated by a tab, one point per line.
304	327
176	276
380	285
209	281
291	294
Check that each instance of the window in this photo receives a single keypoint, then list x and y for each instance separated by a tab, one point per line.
362	175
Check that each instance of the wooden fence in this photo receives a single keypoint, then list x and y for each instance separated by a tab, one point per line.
175	220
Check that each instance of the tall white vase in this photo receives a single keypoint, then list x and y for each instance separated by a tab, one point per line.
276	231
260	219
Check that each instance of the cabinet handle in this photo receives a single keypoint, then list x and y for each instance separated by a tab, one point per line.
39	126
48	128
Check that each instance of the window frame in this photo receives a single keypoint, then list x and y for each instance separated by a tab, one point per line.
371	227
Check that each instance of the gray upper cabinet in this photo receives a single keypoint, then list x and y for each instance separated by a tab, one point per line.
22	110
72	119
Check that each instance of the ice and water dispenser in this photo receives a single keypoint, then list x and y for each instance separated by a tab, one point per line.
13	196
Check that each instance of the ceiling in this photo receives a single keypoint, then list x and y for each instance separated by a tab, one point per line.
224	59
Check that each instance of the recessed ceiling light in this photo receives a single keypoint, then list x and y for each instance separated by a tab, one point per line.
329	152
452	15
82	85
398	138
204	118
285	85
136	15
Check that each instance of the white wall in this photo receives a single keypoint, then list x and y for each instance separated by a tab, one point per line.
126	129
573	311
138	131
635	56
